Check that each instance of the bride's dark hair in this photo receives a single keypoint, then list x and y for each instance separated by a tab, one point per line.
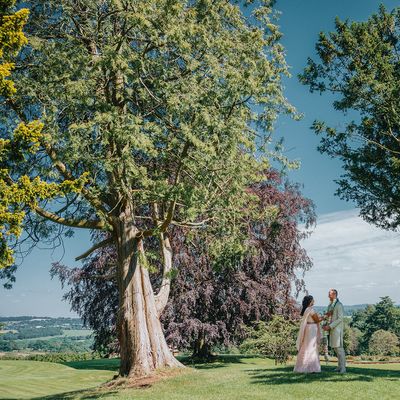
306	302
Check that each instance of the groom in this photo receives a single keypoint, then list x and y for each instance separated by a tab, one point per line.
336	328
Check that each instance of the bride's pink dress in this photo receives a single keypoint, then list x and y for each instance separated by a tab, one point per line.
308	344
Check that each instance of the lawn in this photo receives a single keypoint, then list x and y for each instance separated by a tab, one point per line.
230	378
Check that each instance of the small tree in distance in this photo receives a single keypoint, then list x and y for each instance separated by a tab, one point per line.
275	339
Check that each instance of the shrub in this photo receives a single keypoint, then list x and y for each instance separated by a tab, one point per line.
352	339
384	343
53	357
275	339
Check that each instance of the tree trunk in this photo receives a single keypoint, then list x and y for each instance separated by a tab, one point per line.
201	349
142	342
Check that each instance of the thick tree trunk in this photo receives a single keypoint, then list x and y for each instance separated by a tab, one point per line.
142	342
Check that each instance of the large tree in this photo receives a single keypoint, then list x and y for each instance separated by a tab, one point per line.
360	66
153	114
209	305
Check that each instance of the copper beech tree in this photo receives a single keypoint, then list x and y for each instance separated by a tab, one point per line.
152	114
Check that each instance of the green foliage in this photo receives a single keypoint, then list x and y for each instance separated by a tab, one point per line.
384	343
27	333
275	339
17	194
77	344
166	106
385	316
382	316
359	317
45	334
359	64
11	41
52	357
351	339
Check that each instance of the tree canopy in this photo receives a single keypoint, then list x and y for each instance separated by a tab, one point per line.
359	64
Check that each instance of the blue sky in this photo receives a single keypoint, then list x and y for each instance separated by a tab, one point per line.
361	261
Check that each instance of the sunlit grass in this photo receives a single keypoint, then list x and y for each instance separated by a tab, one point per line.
229	377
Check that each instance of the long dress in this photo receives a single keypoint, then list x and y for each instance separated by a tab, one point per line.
308	341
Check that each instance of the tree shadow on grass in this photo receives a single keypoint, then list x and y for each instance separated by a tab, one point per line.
85	394
108	364
285	375
218	361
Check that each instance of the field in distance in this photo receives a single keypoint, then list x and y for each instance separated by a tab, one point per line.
44	334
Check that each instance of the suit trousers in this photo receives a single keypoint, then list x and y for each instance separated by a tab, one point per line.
341	355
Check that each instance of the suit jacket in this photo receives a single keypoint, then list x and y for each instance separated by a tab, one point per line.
337	326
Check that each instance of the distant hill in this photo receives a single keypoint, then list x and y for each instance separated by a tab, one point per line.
348	310
38	334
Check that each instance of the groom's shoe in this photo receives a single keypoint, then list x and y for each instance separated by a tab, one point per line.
341	371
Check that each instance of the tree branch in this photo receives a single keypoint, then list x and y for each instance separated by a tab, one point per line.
103	243
75	223
60	166
95	202
170	214
192	224
162	296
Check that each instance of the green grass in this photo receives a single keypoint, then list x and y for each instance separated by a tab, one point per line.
229	377
20	379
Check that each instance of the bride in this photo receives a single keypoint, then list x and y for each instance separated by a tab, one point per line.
308	339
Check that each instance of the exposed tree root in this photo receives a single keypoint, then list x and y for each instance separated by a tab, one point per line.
147	381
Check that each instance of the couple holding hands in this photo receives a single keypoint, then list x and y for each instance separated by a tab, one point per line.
309	337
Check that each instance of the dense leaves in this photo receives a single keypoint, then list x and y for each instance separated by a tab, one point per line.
162	104
276	339
211	306
352	339
384	343
359	64
384	315
18	192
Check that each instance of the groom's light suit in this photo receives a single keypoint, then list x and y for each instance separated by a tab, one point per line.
336	332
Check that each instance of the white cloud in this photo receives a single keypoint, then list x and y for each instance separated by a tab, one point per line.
358	259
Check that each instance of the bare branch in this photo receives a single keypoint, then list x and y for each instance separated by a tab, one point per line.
75	223
192	224
103	243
